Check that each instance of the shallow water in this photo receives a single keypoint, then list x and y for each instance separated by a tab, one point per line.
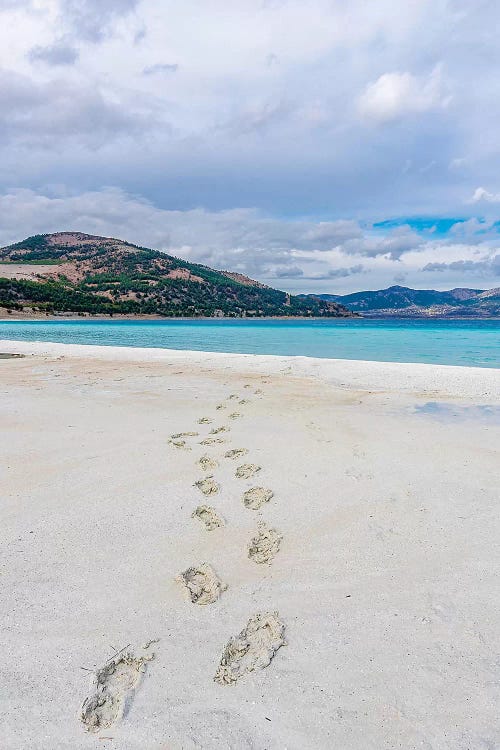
446	412
446	342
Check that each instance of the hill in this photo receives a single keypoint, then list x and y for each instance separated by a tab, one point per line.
72	272
402	301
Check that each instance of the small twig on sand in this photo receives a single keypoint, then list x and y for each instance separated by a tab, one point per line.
117	652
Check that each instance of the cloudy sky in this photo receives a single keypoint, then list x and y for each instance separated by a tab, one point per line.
317	146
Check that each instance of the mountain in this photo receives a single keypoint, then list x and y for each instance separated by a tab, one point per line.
404	302
72	272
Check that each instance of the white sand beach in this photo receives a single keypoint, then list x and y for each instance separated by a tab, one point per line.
384	552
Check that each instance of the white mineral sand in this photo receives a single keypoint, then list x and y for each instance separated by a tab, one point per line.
385	494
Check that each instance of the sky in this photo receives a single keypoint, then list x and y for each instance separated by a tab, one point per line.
317	146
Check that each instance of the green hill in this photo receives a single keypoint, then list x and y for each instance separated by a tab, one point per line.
72	272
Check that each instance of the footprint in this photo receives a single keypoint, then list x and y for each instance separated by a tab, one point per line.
112	689
218	430
221	406
207	464
244	401
208	517
179	444
232	396
235	415
205	420
265	545
254	648
202	584
236	453
207	485
258	392
245	471
256	497
212	441
183	435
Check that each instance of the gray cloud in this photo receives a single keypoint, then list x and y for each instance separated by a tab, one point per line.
257	119
288	272
92	20
342	273
287	139
488	267
271	59
393	244
59	53
160	68
6	5
50	114
140	35
330	233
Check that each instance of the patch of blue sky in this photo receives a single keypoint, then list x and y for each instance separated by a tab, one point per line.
437	226
434	225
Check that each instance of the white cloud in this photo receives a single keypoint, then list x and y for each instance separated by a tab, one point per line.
396	95
480	194
298	255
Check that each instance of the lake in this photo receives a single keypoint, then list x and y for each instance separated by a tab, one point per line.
445	342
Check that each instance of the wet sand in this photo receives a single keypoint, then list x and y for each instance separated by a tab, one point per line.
379	482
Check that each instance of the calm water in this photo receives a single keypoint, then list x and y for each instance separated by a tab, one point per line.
447	342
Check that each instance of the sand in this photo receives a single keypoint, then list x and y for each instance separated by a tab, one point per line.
374	622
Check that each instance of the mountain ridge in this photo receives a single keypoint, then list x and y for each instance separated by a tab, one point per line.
404	301
80	273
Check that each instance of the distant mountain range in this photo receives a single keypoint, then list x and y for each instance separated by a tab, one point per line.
72	272
401	301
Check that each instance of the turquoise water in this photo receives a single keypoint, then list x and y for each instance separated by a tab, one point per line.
446	342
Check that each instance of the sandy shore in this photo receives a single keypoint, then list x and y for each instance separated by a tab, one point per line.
385	482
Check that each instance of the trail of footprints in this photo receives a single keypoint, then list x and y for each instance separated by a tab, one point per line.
113	685
256	644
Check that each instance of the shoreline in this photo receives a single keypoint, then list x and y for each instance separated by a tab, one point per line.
482	383
74	318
